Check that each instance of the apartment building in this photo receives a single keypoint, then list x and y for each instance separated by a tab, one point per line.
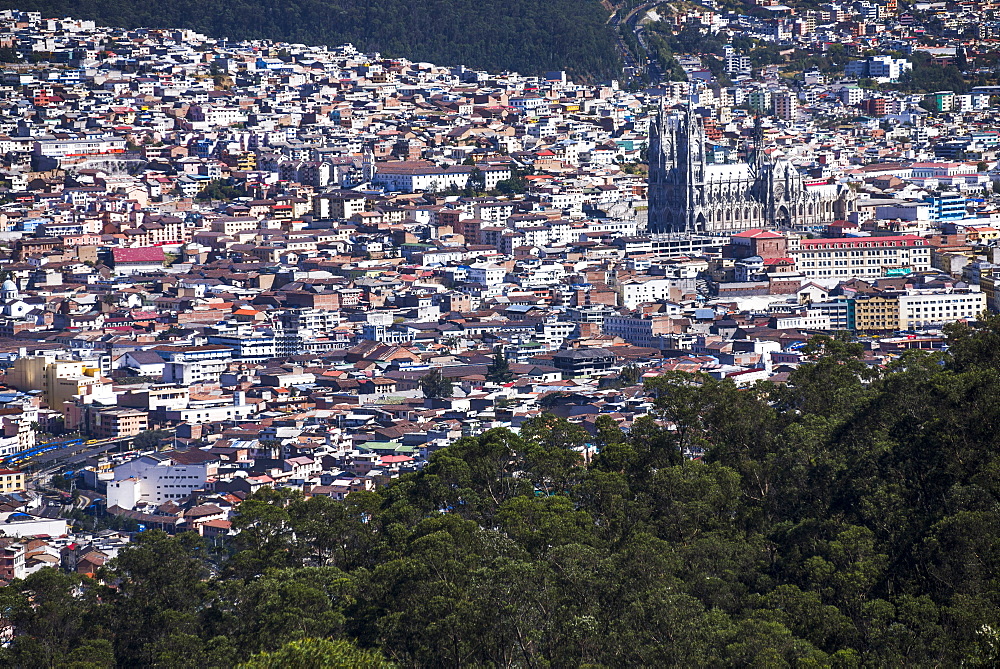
159	477
11	480
862	257
650	330
927	308
879	313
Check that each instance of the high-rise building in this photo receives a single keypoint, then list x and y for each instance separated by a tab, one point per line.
785	104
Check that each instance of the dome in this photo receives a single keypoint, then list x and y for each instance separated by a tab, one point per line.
8	286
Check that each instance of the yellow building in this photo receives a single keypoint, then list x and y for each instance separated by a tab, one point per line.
982	233
879	313
247	162
11	480
59	380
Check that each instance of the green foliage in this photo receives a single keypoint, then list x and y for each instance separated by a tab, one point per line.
529	36
499	370
664	55
311	653
219	189
929	77
436	385
150	439
847	519
516	185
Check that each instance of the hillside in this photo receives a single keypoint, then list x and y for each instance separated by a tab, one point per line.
848	518
530	36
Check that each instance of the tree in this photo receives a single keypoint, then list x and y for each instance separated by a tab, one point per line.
499	370
47	617
312	653
961	59
161	583
630	375
265	533
435	385
848	518
152	439
220	189
553	451
477	180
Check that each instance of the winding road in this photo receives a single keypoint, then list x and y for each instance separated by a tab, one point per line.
651	67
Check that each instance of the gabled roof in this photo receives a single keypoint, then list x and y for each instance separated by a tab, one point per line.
145	357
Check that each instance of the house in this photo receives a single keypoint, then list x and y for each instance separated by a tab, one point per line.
582	362
137	260
145	363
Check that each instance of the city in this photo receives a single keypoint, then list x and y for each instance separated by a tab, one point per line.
235	267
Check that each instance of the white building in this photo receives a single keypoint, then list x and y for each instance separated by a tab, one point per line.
486	274
159	477
861	257
191	373
648	330
16	524
637	291
808	319
212	413
926	307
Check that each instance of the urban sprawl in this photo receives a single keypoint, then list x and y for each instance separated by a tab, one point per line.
229	266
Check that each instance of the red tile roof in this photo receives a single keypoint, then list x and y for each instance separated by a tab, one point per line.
142	254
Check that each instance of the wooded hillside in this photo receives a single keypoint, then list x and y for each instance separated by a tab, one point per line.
530	36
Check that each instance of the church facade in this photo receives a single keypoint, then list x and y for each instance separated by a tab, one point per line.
687	193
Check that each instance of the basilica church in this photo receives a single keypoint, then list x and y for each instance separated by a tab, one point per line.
688	193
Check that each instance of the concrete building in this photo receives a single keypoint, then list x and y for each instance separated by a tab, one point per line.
154	479
687	193
876	313
11	480
926	308
862	257
60	380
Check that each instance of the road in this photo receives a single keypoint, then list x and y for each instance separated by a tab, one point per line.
69	457
631	20
77	453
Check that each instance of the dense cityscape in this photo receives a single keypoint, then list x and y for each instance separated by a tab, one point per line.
250	270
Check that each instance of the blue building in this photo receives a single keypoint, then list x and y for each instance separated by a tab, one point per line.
948	207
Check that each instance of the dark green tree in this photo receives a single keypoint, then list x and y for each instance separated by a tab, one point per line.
160	587
499	370
311	653
436	385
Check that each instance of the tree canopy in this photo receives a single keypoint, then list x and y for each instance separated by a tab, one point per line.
530	36
499	370
436	385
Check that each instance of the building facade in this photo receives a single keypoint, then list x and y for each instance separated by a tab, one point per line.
862	257
687	193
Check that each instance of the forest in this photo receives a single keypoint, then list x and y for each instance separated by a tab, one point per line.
529	36
847	518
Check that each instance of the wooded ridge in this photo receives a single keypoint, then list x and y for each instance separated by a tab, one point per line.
529	36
